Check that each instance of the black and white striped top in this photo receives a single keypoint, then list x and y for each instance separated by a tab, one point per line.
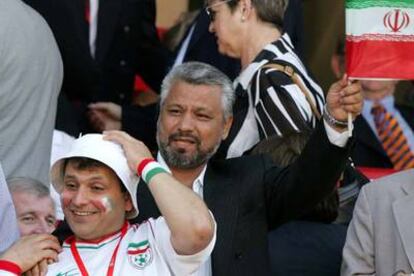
268	102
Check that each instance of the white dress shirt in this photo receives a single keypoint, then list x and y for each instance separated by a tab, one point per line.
198	184
93	25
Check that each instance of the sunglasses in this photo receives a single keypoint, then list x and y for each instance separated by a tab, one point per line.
212	14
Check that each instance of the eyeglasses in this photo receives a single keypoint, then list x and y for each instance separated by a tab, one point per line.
212	14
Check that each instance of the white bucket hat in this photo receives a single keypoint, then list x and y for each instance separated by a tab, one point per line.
109	153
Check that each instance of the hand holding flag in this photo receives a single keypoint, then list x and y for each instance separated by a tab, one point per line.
344	98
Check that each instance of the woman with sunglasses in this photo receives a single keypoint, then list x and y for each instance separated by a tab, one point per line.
269	102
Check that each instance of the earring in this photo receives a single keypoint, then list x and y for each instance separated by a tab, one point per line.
243	18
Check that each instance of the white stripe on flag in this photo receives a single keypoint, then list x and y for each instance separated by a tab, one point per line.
151	165
371	21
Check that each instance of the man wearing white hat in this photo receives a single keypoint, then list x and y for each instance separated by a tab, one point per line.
98	189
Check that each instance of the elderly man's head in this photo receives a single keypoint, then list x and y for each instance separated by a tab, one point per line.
195	116
35	208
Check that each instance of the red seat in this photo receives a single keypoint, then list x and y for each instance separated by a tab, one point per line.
374	173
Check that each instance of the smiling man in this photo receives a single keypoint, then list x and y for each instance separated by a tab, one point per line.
180	145
98	189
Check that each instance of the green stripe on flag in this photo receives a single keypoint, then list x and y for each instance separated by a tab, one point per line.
138	244
363	4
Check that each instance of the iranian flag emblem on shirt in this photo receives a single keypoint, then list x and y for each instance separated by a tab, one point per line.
380	39
140	254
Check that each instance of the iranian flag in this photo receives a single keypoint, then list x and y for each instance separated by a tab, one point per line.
380	39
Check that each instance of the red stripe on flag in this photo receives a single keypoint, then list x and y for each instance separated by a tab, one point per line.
380	59
87	12
137	251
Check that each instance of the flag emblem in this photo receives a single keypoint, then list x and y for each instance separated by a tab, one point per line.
140	254
396	20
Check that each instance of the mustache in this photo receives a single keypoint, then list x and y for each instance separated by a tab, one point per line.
184	136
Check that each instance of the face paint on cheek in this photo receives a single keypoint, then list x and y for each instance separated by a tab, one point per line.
104	204
65	200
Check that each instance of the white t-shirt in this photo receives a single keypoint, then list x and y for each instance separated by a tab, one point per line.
7	273
146	249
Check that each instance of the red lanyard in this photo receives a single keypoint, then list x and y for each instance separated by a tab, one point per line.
79	261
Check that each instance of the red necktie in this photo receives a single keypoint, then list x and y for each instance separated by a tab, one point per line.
87	12
392	138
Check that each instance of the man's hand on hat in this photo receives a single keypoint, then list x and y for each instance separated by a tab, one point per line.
135	150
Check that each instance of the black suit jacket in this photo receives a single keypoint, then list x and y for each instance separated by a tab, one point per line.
126	44
249	196
293	25
307	248
203	47
368	151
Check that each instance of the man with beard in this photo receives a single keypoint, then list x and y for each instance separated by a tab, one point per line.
248	195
